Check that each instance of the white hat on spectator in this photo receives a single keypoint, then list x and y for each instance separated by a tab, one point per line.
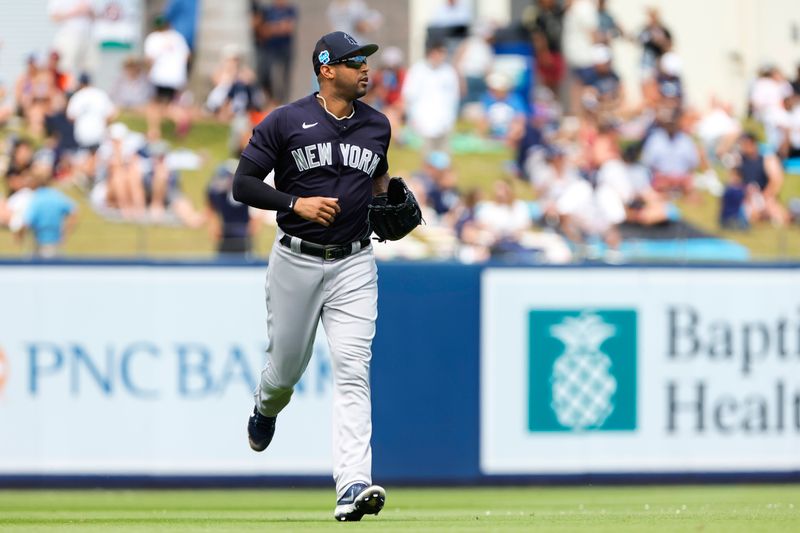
601	54
671	64
498	81
482	28
117	131
392	57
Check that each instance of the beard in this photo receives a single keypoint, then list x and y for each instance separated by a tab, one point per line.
360	91
352	90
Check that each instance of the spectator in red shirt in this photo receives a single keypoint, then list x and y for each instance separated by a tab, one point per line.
61	79
387	86
388	79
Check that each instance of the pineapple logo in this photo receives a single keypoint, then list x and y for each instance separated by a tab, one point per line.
582	370
583	388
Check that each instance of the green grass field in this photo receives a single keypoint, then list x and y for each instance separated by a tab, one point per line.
596	509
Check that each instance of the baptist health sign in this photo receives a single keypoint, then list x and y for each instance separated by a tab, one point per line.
145	370
640	370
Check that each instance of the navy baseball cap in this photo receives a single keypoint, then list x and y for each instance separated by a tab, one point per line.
338	45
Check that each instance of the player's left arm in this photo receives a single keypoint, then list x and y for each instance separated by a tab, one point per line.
380	185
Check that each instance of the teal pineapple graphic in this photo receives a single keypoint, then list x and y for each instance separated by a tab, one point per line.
583	387
582	370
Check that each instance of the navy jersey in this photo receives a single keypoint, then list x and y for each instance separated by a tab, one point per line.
243	97
753	172
235	216
273	14
314	154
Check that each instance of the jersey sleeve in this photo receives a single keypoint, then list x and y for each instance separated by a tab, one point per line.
265	143
383	166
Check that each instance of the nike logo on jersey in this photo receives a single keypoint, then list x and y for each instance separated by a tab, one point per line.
306	126
320	154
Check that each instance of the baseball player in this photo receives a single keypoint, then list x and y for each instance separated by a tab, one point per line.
328	151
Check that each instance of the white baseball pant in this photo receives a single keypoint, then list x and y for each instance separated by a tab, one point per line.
301	289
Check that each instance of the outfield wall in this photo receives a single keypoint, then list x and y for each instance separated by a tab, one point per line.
118	373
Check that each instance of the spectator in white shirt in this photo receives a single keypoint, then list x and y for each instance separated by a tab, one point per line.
718	130
553	177
506	216
168	55
592	211
73	37
671	156
581	26
91	109
119	183
18	184
473	60
631	181
791	140
431	98
767	97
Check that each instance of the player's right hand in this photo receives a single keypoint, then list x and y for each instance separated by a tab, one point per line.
318	209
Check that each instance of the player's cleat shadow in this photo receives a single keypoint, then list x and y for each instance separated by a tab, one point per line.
260	430
358	500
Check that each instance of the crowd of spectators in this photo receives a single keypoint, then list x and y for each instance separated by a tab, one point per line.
601	163
61	133
589	159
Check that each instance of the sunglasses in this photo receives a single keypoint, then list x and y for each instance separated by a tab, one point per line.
351	62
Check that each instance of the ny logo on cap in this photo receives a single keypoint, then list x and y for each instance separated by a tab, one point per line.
350	39
324	57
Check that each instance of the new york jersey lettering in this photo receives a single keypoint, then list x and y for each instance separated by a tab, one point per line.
361	158
313	156
321	154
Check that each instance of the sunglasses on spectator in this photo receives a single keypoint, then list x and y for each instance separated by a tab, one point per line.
351	62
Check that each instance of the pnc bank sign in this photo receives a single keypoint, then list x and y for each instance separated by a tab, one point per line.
148	371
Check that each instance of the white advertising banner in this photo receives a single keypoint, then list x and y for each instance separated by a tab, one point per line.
640	370
146	370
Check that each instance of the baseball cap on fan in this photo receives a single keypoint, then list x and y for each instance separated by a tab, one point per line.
338	45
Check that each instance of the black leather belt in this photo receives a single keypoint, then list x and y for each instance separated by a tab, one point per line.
328	252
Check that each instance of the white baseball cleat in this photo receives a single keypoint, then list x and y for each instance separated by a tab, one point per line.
358	500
